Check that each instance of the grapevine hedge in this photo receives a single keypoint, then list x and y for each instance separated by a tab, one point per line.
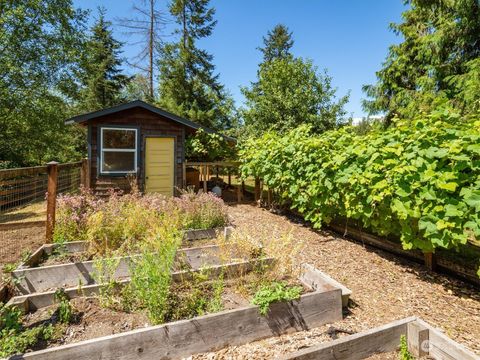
419	179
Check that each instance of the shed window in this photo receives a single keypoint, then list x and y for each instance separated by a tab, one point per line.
118	150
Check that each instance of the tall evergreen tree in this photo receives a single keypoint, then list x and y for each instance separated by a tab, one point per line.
277	43
101	71
439	53
187	83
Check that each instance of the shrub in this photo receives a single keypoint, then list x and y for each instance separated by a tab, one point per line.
65	310
418	179
72	212
203	211
122	222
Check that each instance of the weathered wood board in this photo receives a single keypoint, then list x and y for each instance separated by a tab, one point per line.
35	301
319	280
43	278
80	246
422	340
205	333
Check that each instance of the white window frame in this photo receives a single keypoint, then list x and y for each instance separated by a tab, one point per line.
102	150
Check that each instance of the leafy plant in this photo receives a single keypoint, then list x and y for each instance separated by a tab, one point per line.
13	337
404	353
205	146
418	180
273	292
151	273
65	310
104	274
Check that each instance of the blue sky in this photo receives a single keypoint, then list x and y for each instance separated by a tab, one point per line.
348	38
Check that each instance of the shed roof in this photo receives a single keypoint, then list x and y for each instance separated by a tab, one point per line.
141	104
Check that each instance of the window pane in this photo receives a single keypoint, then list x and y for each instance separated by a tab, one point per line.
118	139
118	161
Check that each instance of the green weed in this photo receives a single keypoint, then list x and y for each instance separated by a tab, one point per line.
151	273
273	292
13	337
65	310
404	353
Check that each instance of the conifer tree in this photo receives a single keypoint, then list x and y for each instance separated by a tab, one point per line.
102	77
277	43
188	85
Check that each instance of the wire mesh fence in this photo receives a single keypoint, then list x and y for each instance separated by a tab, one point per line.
23	206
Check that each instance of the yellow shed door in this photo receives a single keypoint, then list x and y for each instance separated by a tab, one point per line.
159	165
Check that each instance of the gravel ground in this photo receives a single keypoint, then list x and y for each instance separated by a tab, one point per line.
385	288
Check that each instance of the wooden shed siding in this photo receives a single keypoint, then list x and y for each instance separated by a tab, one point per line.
149	124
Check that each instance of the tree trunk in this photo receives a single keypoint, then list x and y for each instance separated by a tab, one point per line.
150	47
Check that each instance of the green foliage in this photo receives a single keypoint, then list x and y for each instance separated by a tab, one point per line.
205	146
100	73
104	274
65	310
404	353
13	337
419	179
290	92
273	292
151	273
187	85
40	43
436	63
277	43
120	224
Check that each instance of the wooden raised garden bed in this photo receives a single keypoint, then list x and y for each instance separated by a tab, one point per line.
46	250
43	278
319	304
423	341
38	300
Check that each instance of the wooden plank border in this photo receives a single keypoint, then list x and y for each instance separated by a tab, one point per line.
21	225
442	347
205	333
422	340
79	246
38	279
35	301
318	280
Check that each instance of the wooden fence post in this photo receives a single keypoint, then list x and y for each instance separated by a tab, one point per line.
257	189
239	194
205	177
85	174
430	261
184	175
52	171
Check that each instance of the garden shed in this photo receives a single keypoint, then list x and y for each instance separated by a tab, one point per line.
136	140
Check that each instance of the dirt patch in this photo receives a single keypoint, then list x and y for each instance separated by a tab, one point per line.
14	244
385	287
65	258
90	321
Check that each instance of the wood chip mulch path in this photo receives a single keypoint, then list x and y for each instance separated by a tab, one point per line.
385	288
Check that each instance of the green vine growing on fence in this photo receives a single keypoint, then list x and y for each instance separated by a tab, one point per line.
418	179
